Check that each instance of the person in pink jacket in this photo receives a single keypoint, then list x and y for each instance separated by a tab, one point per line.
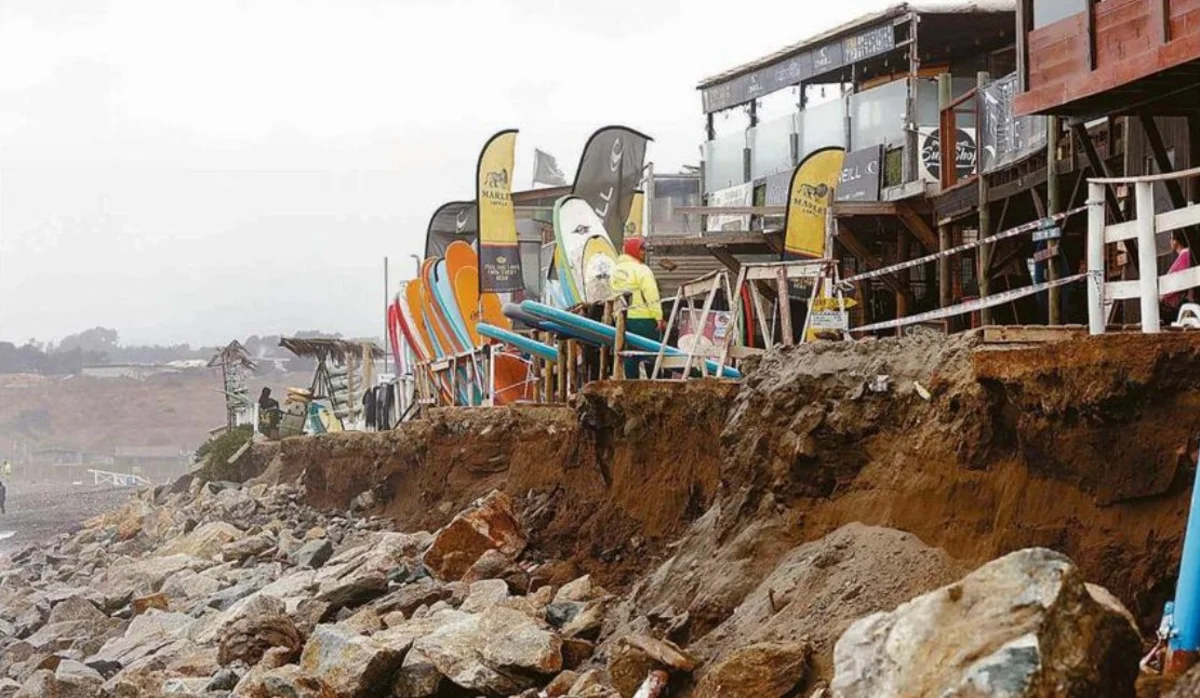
1183	259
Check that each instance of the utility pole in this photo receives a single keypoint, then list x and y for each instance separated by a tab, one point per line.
1053	206
386	328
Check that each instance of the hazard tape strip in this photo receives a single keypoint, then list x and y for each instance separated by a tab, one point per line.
970	306
1031	227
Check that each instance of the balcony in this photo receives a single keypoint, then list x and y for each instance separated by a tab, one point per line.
1091	58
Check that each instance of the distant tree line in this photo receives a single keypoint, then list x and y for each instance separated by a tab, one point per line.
101	345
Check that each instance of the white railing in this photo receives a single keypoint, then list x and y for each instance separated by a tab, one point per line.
1149	286
107	477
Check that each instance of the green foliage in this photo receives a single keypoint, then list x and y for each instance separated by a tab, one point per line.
216	453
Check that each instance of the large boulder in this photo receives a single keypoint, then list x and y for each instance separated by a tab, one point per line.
352	665
498	652
121	582
489	524
514	641
77	680
75	608
205	542
146	635
765	670
249	638
314	553
290	681
1023	626
189	585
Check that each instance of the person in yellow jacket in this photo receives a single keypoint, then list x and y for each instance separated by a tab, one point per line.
644	316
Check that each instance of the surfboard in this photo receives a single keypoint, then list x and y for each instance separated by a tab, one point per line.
461	257
609	334
525	344
413	324
598	262
584	253
466	295
442	335
410	312
393	328
448	304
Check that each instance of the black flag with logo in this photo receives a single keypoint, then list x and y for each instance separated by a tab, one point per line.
610	171
453	221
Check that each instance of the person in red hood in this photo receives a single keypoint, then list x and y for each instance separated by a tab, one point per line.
632	276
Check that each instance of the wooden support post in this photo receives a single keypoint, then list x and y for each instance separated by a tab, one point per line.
945	287
785	307
1024	26
561	370
1193	123
764	324
902	291
985	208
572	373
911	156
917	226
619	347
1053	206
605	351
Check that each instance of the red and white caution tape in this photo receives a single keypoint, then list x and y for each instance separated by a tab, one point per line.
970	306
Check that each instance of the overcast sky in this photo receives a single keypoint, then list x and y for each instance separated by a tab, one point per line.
198	170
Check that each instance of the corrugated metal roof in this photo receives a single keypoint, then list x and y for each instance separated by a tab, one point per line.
920	7
336	348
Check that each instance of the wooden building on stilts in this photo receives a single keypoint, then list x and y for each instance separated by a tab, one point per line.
961	120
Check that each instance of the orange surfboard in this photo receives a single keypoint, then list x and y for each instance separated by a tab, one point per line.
459	257
466	293
416	307
434	317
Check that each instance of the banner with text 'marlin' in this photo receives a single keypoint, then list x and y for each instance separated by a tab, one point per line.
814	184
499	252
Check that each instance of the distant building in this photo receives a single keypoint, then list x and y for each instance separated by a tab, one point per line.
66	464
133	371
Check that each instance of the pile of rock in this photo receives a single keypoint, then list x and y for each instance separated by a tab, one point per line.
221	590
210	590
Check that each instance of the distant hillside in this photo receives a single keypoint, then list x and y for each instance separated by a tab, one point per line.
97	415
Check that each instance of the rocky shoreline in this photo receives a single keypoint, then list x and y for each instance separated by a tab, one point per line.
213	590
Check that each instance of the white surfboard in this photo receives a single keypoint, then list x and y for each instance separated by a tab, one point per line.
586	247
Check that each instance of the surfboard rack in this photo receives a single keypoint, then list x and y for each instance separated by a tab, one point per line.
776	319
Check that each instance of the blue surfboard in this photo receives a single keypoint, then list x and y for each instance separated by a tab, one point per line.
609	334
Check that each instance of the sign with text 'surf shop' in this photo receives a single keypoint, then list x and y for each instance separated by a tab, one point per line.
499	252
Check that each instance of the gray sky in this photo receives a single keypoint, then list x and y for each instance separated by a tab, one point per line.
196	170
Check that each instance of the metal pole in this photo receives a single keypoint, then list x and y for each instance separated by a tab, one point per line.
387	344
1147	260
1053	206
648	205
945	288
985	228
1095	258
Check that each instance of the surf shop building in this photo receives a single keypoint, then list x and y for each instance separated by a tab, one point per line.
921	97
